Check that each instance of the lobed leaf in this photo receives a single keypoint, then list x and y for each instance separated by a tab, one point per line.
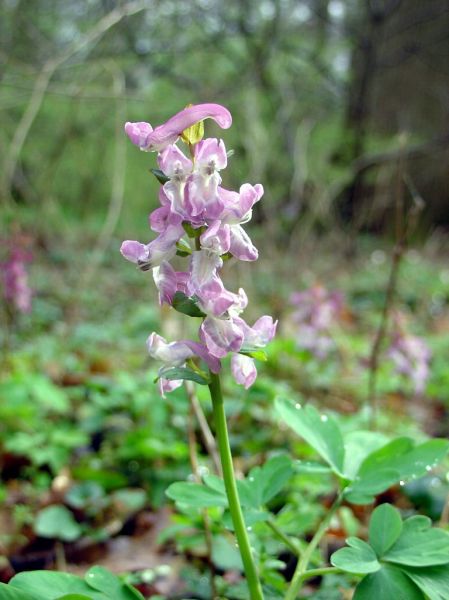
385	527
320	432
359	557
387	583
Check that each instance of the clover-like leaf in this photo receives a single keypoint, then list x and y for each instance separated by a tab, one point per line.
57	522
320	431
9	592
432	581
387	583
51	585
102	580
358	558
385	527
419	544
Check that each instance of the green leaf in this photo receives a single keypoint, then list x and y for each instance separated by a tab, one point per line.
309	466
271	477
419	544
186	306
184	373
85	493
366	486
433	581
358	445
387	584
320	432
57	522
51	585
195	495
385	527
104	581
256	353
160	176
358	558
408	460
225	555
9	592
130	499
396	461
74	597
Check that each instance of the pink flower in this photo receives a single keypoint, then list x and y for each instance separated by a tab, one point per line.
243	370
411	357
316	311
156	140
161	249
16	290
193	199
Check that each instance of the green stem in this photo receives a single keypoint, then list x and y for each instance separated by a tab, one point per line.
281	535
319	572
231	488
303	562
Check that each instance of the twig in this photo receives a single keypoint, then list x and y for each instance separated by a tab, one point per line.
43	79
403	231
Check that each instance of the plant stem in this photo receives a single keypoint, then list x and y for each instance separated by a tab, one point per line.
301	568
319	572
281	535
221	430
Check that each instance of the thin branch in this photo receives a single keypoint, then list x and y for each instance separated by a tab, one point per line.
403	232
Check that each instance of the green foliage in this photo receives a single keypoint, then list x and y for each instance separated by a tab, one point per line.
403	559
57	522
98	584
372	472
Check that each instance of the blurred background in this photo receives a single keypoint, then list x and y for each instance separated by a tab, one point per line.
341	111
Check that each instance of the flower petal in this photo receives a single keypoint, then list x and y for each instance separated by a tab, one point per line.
166	281
221	336
216	238
134	251
174	163
243	369
210	156
138	133
203	268
241	245
168	133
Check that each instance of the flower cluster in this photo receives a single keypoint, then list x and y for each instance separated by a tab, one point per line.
410	356
16	291
316	309
193	202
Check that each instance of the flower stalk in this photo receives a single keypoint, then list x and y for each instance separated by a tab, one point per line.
235	509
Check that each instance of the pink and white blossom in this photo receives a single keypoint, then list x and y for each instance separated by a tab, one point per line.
193	199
